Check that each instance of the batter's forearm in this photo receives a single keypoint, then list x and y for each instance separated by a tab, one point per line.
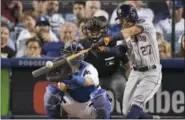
117	51
115	38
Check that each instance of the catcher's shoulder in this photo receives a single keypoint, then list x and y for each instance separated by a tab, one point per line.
85	64
89	68
89	65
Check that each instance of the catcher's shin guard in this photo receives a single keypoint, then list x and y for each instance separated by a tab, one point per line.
52	99
101	104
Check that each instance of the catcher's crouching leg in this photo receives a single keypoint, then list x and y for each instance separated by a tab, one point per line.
101	104
52	99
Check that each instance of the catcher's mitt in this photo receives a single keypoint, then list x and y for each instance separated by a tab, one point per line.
63	72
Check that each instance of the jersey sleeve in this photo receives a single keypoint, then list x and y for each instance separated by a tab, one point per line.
92	73
146	24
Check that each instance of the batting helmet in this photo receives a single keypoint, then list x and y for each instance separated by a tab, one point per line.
127	12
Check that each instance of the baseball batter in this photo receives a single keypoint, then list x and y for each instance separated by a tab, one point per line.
139	36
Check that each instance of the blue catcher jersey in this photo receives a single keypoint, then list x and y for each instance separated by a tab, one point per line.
82	94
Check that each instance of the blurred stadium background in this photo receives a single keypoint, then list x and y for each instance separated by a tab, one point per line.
34	31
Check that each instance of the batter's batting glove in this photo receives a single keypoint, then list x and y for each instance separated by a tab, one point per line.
102	42
103	49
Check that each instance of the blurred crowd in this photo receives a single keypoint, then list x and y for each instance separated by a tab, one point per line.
43	30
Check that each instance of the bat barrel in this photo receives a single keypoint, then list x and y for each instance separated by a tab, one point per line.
44	70
40	71
78	54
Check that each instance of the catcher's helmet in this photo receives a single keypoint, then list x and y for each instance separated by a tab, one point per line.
64	71
95	28
127	12
60	73
73	48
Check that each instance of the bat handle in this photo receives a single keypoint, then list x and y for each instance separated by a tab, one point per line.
78	54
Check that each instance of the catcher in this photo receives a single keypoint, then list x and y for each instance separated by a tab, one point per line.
80	95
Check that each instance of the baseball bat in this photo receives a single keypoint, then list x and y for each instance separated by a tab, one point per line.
44	69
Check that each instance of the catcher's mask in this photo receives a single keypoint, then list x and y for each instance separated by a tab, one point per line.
95	28
71	49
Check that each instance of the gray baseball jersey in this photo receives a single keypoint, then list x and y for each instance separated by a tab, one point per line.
143	49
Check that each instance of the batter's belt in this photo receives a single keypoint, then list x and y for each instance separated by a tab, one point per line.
144	68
